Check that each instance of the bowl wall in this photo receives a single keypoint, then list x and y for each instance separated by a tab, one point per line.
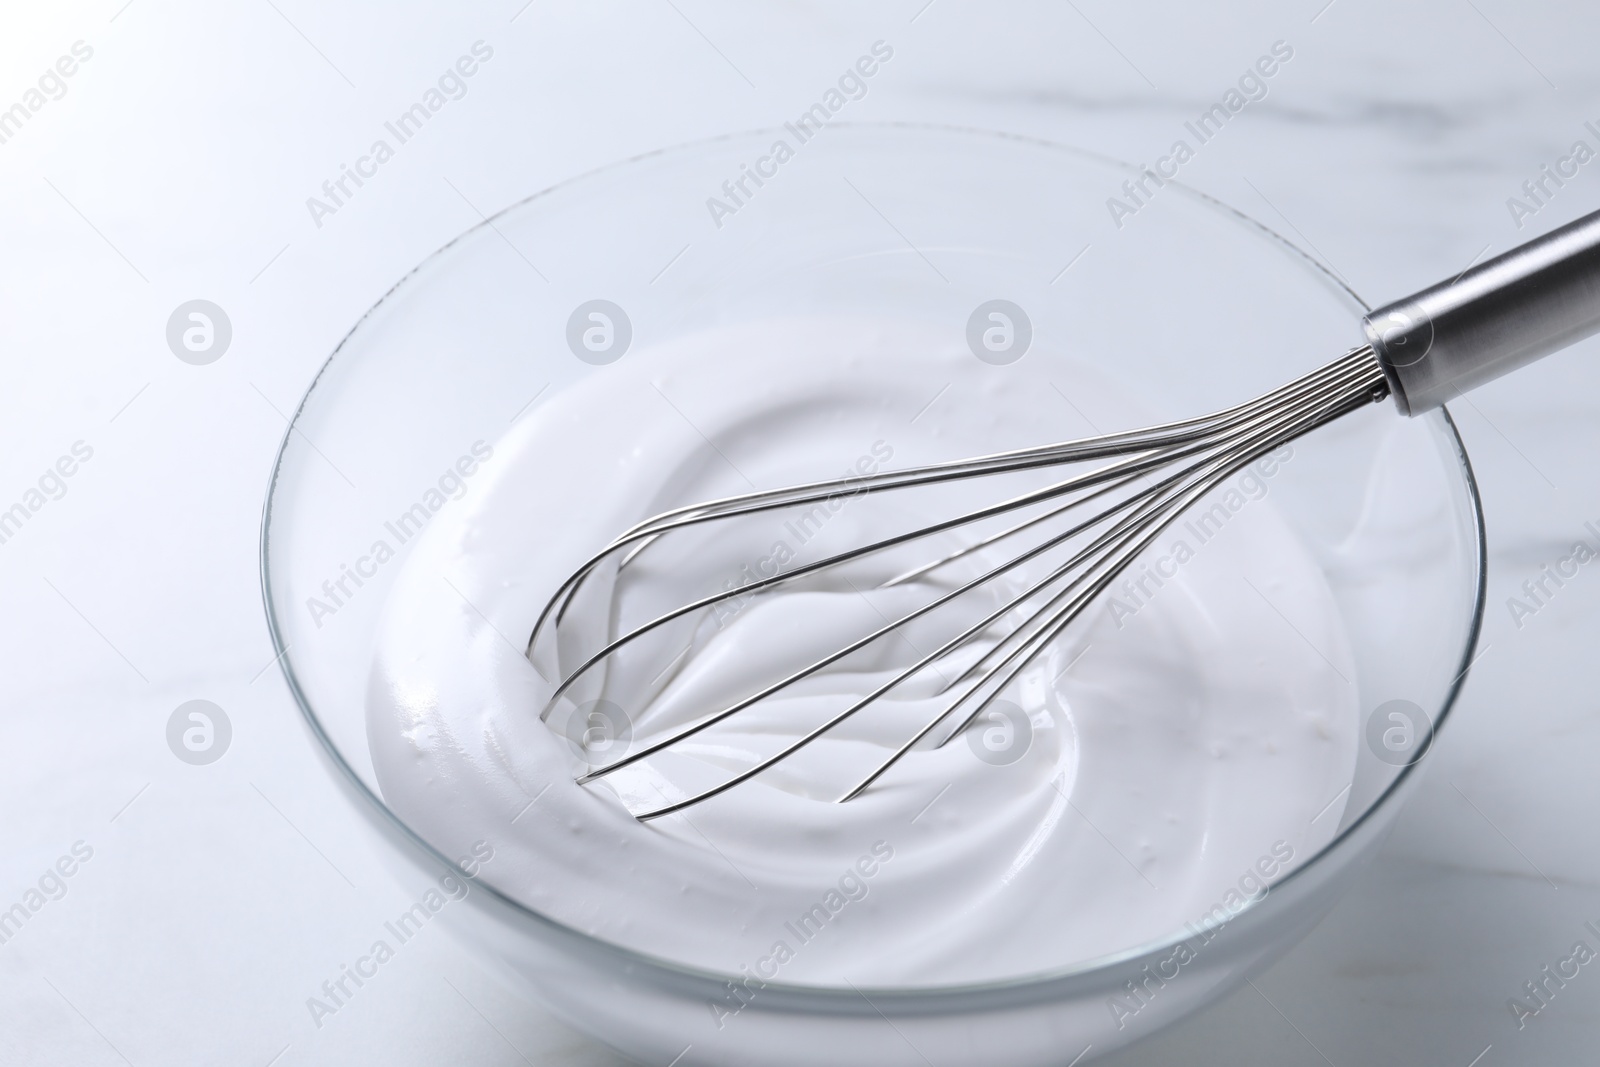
1192	304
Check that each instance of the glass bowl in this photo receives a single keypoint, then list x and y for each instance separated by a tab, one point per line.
1193	302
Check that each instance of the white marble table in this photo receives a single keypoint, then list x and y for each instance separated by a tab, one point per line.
175	162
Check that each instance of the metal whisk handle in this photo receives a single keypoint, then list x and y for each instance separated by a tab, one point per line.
1498	316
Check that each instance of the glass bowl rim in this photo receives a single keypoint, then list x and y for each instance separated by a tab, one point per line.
632	958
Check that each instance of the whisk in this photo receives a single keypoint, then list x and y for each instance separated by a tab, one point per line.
1074	536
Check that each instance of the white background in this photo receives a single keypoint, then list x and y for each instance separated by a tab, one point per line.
177	165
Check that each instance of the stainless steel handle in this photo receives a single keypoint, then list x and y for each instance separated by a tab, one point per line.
1498	316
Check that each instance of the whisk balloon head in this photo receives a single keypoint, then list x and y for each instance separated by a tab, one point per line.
990	560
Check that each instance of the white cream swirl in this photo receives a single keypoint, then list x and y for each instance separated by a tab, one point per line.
1175	741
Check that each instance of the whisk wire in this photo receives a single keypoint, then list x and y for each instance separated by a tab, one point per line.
1115	444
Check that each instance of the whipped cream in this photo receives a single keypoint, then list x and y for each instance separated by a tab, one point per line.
1170	739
